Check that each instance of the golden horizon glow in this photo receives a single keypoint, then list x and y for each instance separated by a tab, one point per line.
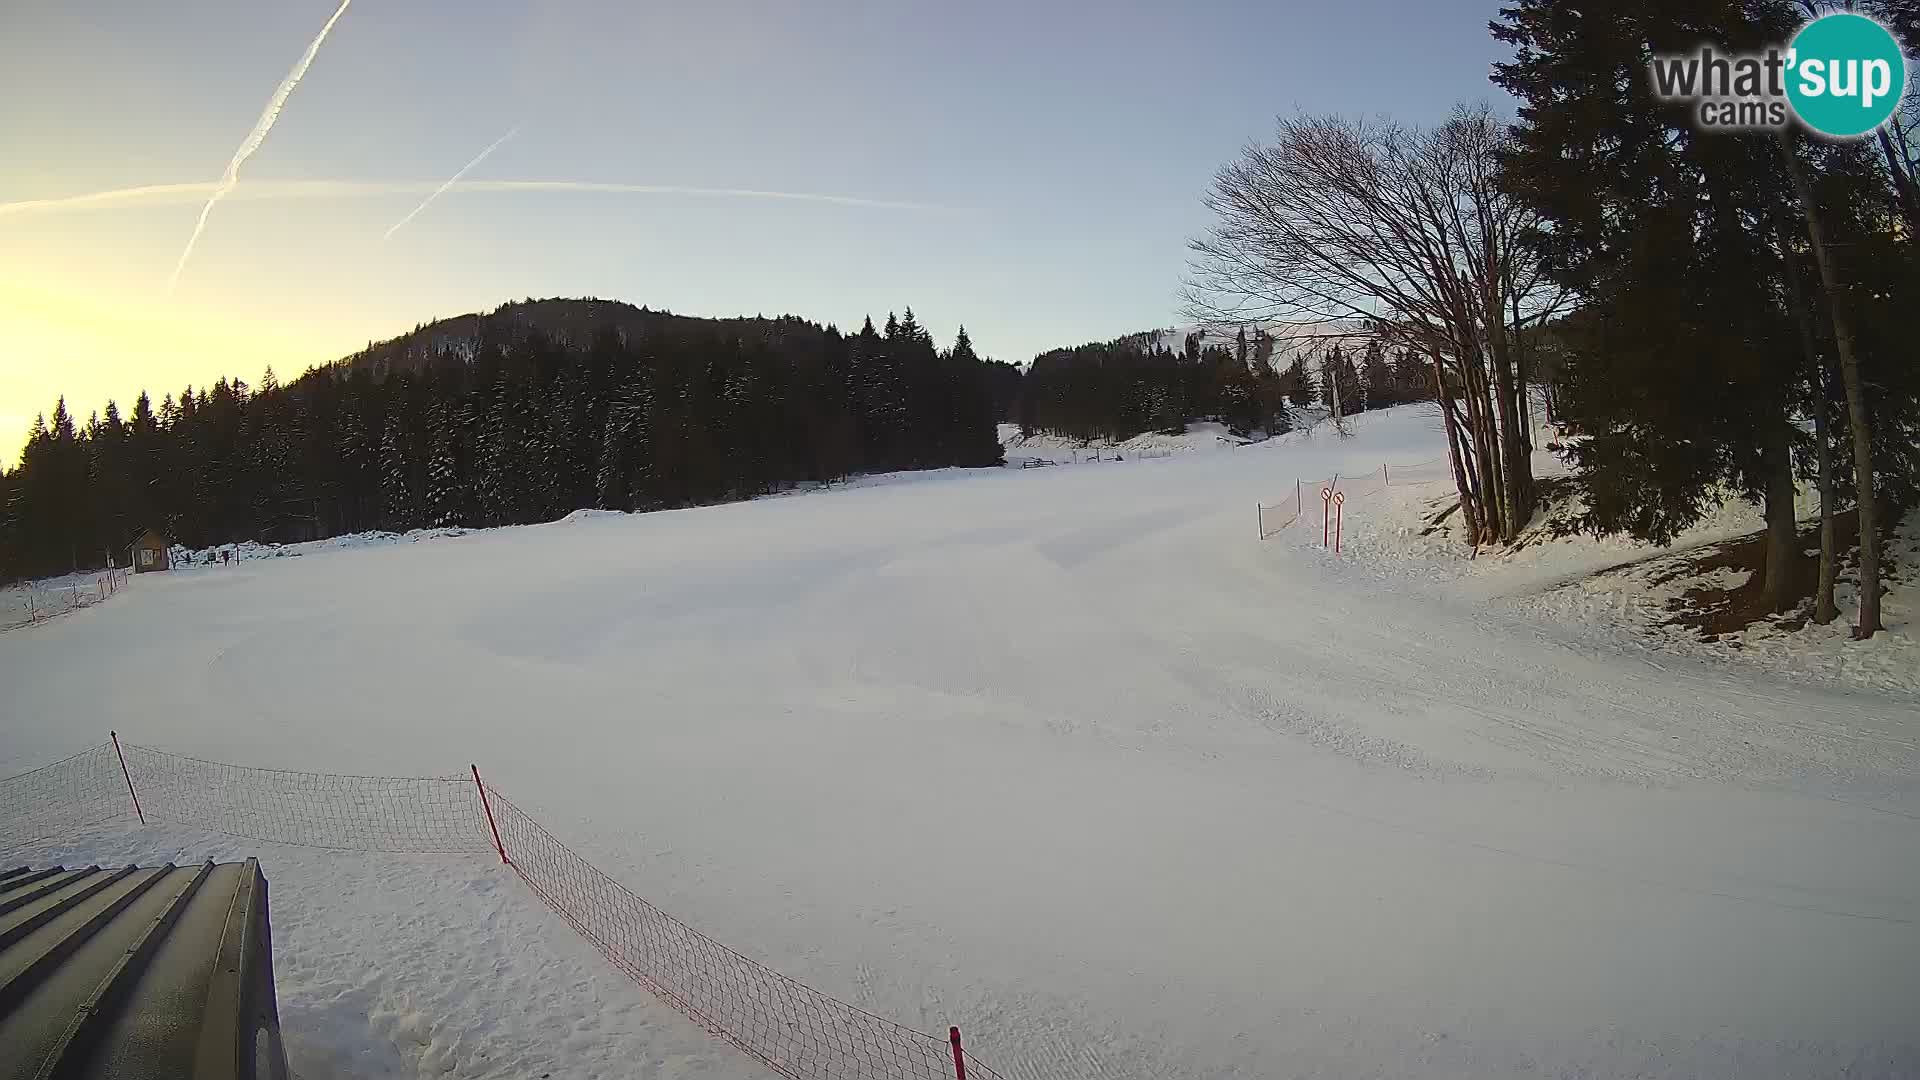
87	314
94	347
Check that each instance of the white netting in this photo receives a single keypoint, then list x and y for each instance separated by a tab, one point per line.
1425	472
1309	500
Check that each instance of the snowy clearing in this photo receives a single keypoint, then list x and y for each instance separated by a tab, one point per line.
1634	605
1063	756
1611	593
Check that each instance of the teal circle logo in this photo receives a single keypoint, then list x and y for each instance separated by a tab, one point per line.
1846	75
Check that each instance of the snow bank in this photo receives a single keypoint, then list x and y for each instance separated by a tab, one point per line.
1609	589
581	515
1632	607
1393	530
248	550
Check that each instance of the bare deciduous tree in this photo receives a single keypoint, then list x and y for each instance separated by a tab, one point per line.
1405	229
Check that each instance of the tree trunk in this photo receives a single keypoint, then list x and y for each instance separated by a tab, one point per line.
1523	374
1469	511
1824	609
1483	455
1781	585
1858	419
1486	448
1902	183
1513	453
1472	438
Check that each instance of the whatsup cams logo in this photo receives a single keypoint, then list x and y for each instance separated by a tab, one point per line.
1842	75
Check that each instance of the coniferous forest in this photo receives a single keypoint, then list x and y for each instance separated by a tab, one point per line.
519	416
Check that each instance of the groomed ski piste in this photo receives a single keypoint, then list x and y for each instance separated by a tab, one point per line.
1065	756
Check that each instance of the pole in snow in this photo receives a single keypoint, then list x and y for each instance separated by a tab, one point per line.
959	1059
1326	514
1339	500
115	736
488	807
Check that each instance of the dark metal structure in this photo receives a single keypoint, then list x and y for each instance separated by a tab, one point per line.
138	974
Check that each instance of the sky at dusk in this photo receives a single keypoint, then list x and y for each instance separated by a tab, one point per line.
1031	169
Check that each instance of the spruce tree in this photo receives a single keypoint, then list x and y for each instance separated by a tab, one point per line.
1682	361
972	423
396	480
611	483
1376	379
443	502
1301	390
1412	377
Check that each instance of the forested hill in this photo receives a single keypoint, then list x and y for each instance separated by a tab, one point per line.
515	416
563	322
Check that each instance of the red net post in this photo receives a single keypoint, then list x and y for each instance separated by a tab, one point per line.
137	812
959	1055
488	807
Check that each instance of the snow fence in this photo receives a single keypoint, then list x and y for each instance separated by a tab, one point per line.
1310	495
33	602
795	1030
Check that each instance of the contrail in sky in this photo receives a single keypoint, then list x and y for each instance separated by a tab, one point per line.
437	192
253	140
168	194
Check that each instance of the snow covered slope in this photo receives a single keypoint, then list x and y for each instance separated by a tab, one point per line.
1063	756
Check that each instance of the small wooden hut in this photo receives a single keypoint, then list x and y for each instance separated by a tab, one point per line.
149	552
